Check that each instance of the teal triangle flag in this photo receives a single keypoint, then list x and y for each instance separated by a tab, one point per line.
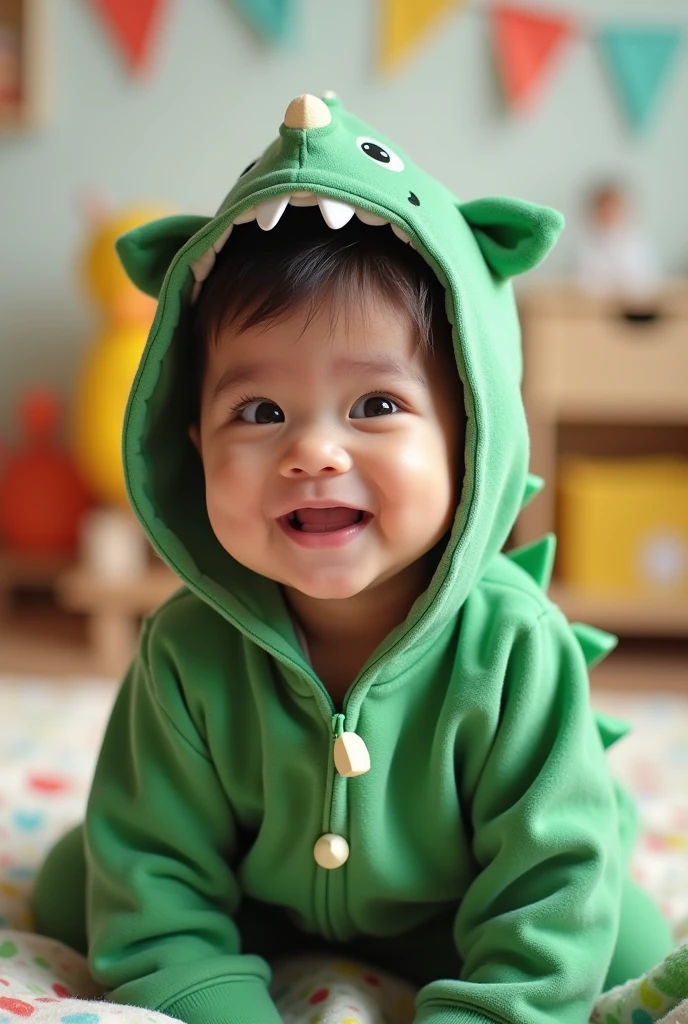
270	18
638	60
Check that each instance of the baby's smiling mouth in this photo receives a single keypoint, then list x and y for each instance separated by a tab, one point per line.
324	520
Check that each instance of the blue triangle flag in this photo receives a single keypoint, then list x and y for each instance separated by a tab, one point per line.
270	18
638	60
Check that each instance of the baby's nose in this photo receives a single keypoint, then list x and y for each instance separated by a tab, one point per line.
313	458
307	112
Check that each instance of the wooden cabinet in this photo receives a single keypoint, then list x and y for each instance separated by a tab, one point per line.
617	381
22	63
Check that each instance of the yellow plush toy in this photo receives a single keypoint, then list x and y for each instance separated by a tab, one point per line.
110	364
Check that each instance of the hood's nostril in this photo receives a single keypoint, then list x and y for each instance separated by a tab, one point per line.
307	112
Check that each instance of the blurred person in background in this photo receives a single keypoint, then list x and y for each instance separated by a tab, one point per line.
615	256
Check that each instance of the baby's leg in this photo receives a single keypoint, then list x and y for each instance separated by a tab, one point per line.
644	937
59	896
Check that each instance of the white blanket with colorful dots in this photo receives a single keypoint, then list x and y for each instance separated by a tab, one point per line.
49	738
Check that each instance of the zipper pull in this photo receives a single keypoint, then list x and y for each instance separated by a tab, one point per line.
337	726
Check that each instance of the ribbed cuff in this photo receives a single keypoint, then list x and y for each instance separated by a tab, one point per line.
239	1001
449	1013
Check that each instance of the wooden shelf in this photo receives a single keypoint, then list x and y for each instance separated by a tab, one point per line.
592	368
79	590
113	609
619	613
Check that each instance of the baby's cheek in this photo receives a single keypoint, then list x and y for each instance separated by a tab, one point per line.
232	491
427	483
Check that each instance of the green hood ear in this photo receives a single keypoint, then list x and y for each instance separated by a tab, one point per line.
147	252
513	235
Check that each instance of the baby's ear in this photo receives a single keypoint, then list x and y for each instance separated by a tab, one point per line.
513	235
147	251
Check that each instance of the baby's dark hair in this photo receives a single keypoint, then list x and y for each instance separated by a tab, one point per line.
262	277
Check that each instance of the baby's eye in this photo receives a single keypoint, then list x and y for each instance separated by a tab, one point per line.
374	405
263	410
382	155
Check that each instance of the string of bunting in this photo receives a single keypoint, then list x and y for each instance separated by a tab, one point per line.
133	25
528	43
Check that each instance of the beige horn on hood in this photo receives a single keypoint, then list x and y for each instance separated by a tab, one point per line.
307	112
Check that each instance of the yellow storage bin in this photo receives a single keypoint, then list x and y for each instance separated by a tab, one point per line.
623	525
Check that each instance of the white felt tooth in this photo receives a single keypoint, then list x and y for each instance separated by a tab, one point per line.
303	199
335	213
196	290
400	234
370	218
201	267
269	212
219	243
246	217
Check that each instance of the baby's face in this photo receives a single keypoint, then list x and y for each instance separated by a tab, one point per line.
302	415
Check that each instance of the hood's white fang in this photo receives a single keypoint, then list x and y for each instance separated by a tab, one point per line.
400	234
246	217
218	244
335	213
303	199
269	212
370	218
201	267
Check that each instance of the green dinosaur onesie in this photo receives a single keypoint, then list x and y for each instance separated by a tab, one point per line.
483	853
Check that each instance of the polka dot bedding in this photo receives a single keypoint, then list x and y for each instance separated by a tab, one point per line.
49	738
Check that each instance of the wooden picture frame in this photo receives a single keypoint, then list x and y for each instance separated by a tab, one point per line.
22	64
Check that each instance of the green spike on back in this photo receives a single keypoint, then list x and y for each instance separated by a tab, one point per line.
534	484
537	559
594	643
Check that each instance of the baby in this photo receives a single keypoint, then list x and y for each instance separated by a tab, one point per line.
359	729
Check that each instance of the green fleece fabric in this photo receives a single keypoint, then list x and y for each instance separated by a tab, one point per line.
488	841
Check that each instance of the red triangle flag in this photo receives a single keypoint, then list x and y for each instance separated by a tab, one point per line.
132	23
525	44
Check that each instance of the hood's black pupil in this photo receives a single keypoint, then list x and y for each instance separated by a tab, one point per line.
376	152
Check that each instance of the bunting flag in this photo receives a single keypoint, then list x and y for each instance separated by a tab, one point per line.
638	60
404	22
133	25
525	47
271	19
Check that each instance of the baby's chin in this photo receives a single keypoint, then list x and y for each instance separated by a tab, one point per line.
327	586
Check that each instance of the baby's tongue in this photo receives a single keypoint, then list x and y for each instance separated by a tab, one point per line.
323	520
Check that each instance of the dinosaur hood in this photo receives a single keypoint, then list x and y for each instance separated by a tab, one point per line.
325	155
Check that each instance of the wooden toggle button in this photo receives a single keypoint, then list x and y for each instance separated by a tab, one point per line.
351	757
331	851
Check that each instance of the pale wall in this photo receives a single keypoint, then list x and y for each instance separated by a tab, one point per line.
216	95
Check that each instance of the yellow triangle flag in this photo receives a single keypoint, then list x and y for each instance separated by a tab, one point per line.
404	22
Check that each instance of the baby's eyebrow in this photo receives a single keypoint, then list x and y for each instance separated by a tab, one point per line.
384	365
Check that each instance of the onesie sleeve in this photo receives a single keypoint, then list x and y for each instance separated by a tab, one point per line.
536	929
160	837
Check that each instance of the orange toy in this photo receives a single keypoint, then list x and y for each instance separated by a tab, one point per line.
42	497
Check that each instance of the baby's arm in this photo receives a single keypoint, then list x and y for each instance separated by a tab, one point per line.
536	929
160	836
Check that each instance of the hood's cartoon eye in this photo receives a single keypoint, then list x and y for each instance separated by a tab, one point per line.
380	154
